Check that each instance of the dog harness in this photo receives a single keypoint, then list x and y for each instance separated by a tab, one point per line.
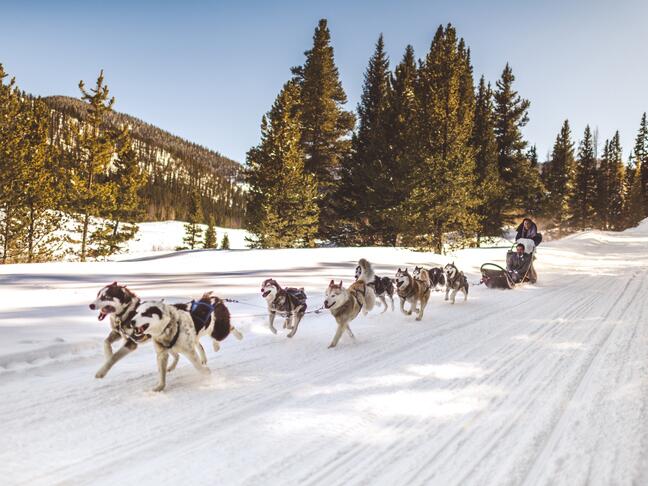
174	340
200	322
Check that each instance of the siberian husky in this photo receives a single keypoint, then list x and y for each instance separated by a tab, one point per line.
455	281
413	290
289	302
173	332
382	286
120	304
346	304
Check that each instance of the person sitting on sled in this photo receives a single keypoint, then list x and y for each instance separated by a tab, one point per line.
518	264
528	230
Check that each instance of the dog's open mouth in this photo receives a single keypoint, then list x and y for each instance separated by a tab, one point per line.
104	311
327	305
265	294
139	330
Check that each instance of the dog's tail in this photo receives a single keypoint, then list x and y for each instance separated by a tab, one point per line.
366	271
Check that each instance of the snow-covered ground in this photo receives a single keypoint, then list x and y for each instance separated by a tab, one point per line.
546	384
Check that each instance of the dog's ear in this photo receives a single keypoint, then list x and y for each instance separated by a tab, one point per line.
340	283
332	283
113	284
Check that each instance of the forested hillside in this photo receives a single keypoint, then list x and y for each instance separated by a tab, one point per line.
175	167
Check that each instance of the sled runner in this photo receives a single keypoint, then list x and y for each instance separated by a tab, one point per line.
518	270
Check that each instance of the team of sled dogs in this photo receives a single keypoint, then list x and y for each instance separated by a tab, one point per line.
176	329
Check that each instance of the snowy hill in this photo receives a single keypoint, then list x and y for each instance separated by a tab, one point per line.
544	384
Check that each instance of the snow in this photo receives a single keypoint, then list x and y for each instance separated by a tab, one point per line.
545	384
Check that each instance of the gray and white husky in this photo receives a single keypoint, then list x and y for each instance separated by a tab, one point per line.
414	291
382	286
455	281
120	304
173	333
346	304
288	302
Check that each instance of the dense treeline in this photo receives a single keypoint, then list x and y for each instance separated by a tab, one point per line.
432	162
75	167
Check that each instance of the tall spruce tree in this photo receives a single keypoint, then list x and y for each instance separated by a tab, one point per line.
125	180
42	186
367	194
611	184
326	127
584	195
635	201
511	115
444	196
92	194
560	178
403	119
12	167
489	184
285	195
640	155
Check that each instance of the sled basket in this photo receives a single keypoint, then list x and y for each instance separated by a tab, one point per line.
495	277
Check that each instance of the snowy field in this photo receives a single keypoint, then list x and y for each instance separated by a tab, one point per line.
546	384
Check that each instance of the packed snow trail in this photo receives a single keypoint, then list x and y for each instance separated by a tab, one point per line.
545	384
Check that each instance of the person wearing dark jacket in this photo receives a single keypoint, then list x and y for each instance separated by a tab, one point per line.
528	229
518	263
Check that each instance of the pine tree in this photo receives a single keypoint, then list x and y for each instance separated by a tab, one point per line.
12	167
92	194
42	186
442	200
635	202
532	157
210	241
511	115
611	188
192	227
126	181
616	184
403	119
367	192
560	178
225	243
583	199
640	154
490	188
285	196
325	125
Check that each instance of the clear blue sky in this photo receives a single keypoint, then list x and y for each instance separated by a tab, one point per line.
208	70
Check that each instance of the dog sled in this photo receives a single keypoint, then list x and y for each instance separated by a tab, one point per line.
518	269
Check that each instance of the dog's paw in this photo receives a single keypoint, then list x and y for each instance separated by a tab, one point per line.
205	371
273	330
418	318
101	373
158	388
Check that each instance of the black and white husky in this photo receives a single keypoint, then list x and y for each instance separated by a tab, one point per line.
455	281
382	286
120	304
173	332
288	302
211	317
